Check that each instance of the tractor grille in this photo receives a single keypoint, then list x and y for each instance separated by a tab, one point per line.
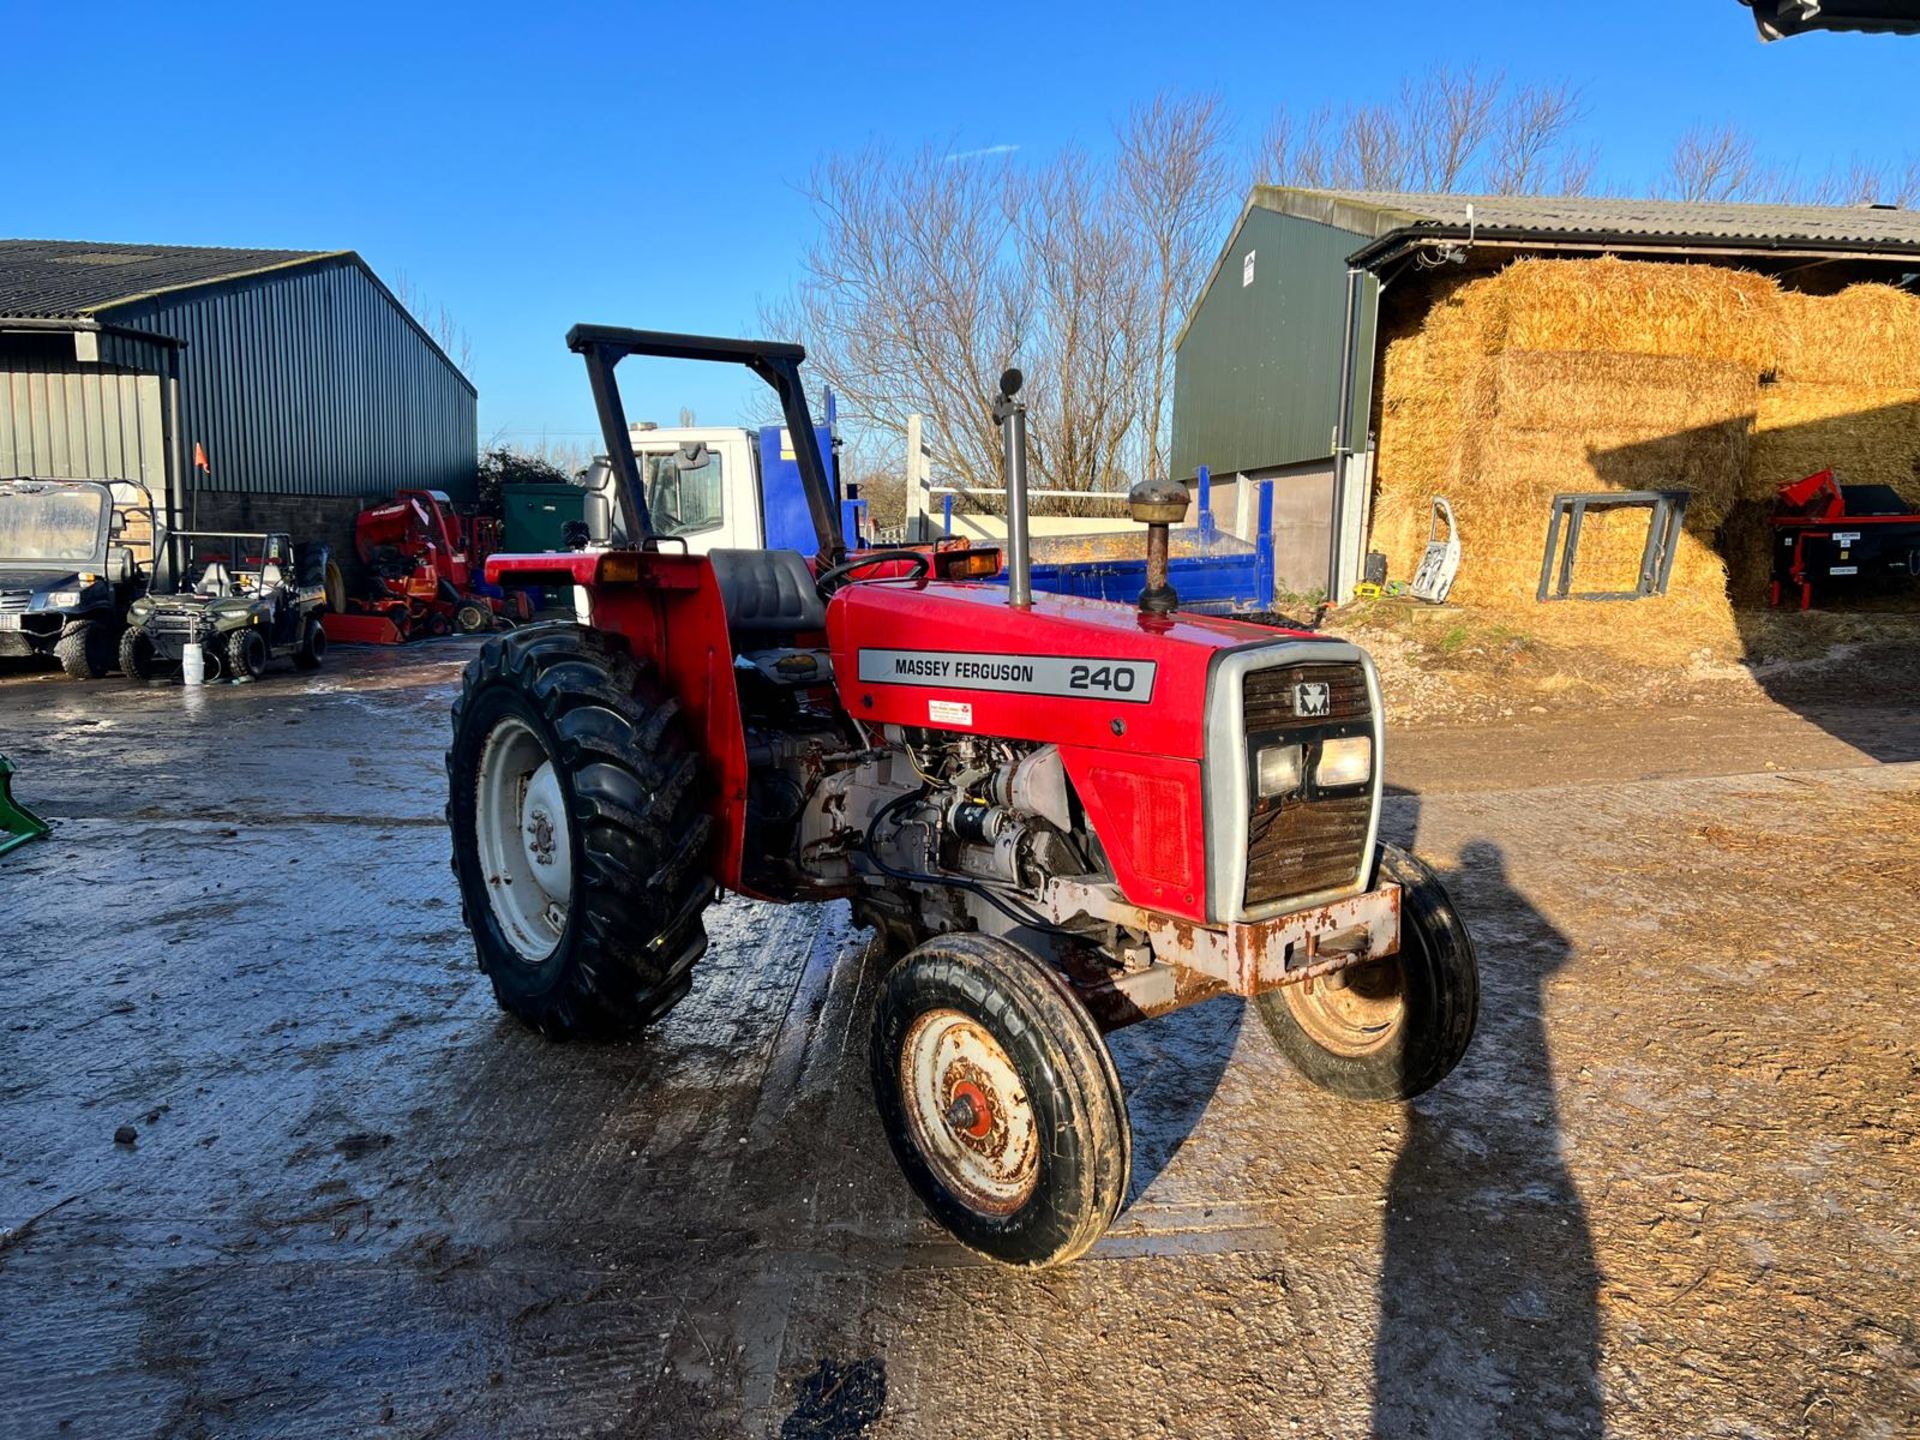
15	602
1305	843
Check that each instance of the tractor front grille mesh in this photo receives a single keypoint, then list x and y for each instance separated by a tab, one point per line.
1305	843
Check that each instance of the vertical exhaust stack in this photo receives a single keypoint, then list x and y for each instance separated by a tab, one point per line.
1011	416
1157	504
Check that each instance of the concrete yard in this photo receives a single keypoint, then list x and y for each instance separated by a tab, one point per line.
1674	1189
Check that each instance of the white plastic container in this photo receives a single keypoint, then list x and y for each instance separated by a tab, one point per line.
193	663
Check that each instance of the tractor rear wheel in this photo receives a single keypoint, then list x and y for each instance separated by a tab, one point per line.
1395	1027
579	838
87	649
243	655
1000	1100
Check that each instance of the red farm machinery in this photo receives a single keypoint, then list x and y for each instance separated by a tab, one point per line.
420	573
1060	815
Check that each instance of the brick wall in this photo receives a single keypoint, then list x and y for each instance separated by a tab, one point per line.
304	517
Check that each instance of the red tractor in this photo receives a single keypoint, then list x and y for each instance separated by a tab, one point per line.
1069	814
422	566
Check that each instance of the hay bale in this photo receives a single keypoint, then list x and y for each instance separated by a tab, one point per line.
1867	435
1866	335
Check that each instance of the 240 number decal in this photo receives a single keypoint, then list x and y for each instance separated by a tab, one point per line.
1105	679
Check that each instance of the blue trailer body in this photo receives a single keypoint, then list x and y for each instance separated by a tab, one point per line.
1213	571
783	500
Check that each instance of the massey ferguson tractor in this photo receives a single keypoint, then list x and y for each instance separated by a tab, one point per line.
1063	816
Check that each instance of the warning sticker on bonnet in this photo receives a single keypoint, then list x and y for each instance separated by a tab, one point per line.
1129	681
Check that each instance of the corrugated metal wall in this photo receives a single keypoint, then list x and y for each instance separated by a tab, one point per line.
65	420
1258	376
311	381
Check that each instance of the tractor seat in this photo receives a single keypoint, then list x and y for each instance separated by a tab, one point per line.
768	593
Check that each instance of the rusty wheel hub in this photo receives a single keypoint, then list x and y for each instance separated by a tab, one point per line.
1354	1011
968	1111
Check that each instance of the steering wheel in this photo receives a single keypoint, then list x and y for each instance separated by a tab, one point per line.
829	580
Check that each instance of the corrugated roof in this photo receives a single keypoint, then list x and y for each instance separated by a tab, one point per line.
72	279
1380	212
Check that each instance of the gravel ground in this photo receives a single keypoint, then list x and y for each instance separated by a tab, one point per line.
1671	1191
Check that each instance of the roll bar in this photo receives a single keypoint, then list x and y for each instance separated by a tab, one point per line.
774	361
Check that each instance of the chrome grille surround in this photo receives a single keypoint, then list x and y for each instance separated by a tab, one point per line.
1230	838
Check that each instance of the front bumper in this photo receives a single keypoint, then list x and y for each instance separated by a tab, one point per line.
1247	957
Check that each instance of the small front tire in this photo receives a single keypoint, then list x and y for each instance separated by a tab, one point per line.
138	661
243	654
1000	1100
1392	1028
87	649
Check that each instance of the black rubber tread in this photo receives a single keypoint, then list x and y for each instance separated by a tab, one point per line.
1073	1087
233	653
137	660
1442	978
640	834
312	651
87	649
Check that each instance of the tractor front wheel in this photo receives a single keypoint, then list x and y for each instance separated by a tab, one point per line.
1394	1027
579	838
1000	1100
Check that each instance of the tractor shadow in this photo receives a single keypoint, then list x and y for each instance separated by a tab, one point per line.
1489	1287
1170	1069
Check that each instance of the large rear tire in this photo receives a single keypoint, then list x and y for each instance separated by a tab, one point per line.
1000	1100
87	649
1395	1027
312	653
579	838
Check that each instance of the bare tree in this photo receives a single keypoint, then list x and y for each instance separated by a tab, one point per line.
1862	182
1173	185
1717	163
437	321
914	295
1448	131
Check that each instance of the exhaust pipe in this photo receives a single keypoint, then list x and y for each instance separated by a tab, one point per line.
1157	504
1011	415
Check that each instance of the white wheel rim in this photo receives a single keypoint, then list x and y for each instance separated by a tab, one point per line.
968	1111
525	840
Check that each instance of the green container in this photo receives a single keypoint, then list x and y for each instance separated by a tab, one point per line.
532	516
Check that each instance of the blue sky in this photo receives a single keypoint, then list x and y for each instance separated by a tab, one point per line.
527	166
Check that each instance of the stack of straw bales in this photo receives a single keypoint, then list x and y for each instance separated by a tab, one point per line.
1593	375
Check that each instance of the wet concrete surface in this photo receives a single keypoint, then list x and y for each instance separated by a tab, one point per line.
1671	1191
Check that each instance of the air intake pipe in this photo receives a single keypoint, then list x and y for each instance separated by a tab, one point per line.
1011	415
1157	504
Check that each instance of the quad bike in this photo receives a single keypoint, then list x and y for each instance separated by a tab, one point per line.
1070	815
244	599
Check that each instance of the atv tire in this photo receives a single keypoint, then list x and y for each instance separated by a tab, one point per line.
138	662
312	653
243	654
472	618
1000	1100
87	649
568	778
1395	1027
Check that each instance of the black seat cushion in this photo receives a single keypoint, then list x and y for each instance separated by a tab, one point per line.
768	592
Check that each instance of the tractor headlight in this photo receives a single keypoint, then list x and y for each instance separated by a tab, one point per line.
1346	761
64	599
1277	770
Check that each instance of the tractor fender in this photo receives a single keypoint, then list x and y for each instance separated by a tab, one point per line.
670	611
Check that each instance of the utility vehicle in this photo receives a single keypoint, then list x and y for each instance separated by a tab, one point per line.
244	599
73	554
1069	814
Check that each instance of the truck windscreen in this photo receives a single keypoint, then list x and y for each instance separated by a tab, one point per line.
50	525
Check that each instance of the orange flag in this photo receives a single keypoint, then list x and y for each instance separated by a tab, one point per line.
200	458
